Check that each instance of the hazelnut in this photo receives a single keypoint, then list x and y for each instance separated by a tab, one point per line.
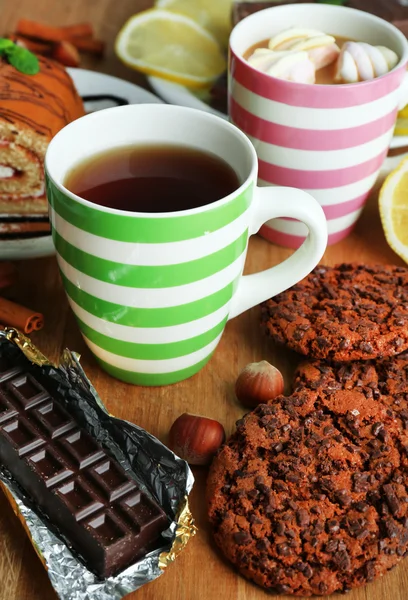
196	439
258	383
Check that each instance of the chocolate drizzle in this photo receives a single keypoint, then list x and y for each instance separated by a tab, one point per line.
15	87
15	117
33	108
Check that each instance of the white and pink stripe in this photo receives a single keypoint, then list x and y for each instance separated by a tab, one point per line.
330	141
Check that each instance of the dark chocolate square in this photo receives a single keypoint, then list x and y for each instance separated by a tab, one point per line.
50	466
82	490
106	528
80	499
112	480
22	435
53	419
141	512
7	410
27	391
81	448
6	369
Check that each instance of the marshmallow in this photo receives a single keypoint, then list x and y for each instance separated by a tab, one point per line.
359	61
322	48
290	65
324	56
262	59
283	40
296	54
390	56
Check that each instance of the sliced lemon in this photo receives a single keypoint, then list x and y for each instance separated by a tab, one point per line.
401	127
172	46
213	15
404	112
394	209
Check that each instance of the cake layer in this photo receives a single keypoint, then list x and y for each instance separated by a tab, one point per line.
33	108
21	172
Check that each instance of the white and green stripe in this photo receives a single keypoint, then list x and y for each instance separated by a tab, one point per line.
148	277
137	229
138	317
151	294
154	366
146	378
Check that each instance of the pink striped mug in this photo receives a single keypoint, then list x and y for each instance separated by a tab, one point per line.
329	140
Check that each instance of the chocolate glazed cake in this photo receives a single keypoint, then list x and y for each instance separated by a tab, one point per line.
33	108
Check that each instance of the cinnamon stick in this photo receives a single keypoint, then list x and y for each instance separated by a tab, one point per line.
81	30
91	46
66	54
36	47
20	317
49	33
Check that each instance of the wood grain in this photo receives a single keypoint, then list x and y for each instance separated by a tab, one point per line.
200	573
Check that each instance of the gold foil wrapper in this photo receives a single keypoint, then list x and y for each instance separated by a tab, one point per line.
185	530
27	347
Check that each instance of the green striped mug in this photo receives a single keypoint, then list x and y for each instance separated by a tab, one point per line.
152	292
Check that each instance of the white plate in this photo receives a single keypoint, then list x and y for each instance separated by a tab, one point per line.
88	83
173	93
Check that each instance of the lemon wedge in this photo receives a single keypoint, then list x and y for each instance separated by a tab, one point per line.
213	15
404	112
393	203
169	45
401	126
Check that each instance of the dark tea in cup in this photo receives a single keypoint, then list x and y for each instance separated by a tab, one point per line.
153	178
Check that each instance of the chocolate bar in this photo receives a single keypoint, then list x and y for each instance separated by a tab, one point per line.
95	505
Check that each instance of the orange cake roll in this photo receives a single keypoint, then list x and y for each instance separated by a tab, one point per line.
33	108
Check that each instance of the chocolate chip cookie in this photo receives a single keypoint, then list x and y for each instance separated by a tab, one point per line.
387	378
309	496
342	313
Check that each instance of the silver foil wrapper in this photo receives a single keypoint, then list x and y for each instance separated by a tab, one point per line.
156	469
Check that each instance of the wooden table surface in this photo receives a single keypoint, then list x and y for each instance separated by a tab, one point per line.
200	573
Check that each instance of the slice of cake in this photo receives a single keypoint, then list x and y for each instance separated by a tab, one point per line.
33	108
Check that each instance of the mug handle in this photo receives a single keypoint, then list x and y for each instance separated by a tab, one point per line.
400	141
270	203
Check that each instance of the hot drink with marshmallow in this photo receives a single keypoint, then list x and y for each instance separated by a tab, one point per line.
312	56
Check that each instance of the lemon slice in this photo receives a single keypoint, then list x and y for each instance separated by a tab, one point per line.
172	46
404	112
394	209
213	15
401	127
